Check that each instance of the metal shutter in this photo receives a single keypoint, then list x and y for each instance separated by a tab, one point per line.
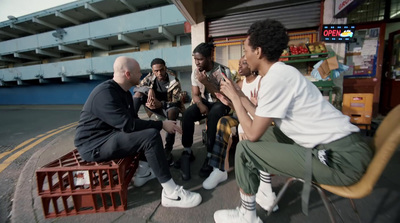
304	15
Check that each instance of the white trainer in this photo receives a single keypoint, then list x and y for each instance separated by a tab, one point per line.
217	176
143	174
180	198
232	216
266	201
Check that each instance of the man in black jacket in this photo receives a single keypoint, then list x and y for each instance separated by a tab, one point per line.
109	129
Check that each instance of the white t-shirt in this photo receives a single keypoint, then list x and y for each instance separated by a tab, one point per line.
247	88
298	108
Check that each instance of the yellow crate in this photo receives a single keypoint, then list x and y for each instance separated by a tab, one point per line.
358	107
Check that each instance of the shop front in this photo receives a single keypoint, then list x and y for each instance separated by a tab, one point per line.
226	23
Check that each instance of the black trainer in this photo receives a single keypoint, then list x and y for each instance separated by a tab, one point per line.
177	163
205	169
185	165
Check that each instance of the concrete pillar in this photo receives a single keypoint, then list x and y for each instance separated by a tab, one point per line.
338	48
198	36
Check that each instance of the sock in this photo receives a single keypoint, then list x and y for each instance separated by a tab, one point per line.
188	149
248	207
265	183
169	186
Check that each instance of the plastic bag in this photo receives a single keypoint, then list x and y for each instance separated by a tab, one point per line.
335	73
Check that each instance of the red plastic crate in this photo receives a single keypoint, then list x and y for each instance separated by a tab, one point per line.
75	204
71	186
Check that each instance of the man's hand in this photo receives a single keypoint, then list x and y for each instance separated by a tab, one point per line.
203	108
153	103
230	89
224	99
243	136
202	77
151	95
171	127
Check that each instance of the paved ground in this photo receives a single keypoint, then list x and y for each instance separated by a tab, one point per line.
382	206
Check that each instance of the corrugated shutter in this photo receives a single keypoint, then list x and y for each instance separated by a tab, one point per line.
305	15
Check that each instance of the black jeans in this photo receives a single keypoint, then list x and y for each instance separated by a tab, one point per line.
192	114
148	141
170	113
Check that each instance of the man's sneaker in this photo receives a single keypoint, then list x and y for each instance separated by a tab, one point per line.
180	198
185	166
143	174
177	163
205	169
266	201
232	216
217	176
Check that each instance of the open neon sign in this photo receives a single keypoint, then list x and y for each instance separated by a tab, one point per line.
337	33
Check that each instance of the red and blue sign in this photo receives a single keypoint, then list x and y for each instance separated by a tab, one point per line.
337	33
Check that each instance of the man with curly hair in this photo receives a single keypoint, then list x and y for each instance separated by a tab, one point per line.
310	140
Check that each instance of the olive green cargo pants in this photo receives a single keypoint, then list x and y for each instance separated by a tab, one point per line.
275	153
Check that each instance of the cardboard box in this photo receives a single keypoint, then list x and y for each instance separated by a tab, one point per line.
329	64
358	107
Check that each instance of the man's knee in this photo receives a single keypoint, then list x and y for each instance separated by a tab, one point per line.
138	94
190	114
173	114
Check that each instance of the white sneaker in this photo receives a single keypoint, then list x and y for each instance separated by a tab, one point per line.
232	216
143	174
217	176
266	201
181	198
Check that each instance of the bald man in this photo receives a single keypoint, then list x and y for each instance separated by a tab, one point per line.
109	129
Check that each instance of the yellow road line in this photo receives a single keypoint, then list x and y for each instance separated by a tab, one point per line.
14	156
31	139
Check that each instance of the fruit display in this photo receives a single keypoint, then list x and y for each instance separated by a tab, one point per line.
284	53
317	47
298	49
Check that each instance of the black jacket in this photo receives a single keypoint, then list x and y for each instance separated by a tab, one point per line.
108	110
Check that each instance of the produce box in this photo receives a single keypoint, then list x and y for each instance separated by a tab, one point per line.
317	47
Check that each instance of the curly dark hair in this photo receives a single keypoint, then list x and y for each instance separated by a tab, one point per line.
204	49
157	61
270	36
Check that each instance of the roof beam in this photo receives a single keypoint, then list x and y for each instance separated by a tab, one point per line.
43	81
47	53
95	10
127	40
97	45
97	77
129	6
167	34
66	79
9	59
22	29
8	34
62	15
69	49
44	23
21	82
24	56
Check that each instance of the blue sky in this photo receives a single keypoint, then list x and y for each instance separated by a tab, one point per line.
23	7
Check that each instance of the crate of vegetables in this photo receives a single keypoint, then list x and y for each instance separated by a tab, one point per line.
317	47
298	49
